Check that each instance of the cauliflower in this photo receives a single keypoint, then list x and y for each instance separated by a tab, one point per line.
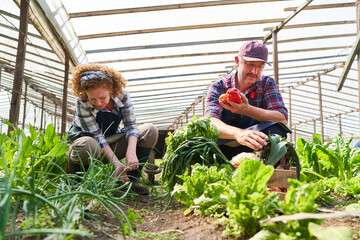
236	160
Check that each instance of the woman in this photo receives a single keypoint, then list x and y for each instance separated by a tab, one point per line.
102	103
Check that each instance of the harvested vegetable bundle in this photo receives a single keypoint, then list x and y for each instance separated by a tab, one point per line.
278	152
196	143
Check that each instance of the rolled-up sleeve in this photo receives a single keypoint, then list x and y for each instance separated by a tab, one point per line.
129	119
213	107
273	99
85	120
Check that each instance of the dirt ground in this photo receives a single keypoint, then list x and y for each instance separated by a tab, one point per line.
173	224
157	223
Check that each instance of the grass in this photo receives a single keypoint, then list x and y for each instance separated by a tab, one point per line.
35	186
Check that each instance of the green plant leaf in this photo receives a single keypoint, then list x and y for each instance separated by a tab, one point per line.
330	161
265	235
252	174
277	150
330	233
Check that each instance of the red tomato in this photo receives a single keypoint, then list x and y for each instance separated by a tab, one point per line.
223	98
234	95
274	189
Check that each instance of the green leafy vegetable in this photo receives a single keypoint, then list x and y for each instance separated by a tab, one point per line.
204	189
196	143
248	198
299	198
328	233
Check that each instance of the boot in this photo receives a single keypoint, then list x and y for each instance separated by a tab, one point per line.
137	188
74	168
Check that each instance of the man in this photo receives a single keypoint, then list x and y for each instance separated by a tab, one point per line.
245	126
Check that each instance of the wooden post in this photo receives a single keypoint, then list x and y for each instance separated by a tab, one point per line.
358	54
42	112
289	117
25	100
340	127
203	108
321	110
314	126
65	90
55	125
275	57
34	116
20	63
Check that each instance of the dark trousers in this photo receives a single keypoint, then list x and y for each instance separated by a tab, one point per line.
267	128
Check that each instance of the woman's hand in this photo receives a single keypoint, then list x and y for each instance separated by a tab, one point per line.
120	171
132	162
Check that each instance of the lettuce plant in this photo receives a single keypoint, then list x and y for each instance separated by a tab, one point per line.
248	198
333	159
204	189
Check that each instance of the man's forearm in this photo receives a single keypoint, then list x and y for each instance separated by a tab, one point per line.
226	131
264	115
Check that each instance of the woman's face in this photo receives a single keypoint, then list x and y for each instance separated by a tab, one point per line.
100	96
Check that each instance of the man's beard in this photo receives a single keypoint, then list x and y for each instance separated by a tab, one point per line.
244	79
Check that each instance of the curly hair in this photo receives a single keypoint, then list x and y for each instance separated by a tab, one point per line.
115	84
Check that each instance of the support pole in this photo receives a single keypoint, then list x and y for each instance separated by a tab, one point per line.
55	125
203	107
20	63
290	117
25	100
42	112
275	57
65	90
358	54
340	127
321	110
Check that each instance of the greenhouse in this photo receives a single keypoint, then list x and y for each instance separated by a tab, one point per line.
170	54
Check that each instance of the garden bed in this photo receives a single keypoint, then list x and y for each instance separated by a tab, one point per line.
173	224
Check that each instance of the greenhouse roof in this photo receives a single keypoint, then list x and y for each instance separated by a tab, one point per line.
170	53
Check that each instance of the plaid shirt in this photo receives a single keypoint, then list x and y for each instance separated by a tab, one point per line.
84	122
264	92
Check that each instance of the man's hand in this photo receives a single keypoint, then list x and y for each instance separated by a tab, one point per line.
132	162
250	138
239	108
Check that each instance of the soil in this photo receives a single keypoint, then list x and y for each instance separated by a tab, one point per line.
160	224
174	221
173	224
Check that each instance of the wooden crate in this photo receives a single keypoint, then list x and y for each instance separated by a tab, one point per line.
280	179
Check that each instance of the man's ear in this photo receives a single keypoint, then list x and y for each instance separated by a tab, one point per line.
237	60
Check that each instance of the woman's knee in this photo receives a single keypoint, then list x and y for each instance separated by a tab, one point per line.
148	135
83	148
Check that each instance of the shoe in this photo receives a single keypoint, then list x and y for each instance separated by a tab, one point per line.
138	189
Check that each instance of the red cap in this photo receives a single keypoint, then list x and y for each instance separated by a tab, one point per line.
254	51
